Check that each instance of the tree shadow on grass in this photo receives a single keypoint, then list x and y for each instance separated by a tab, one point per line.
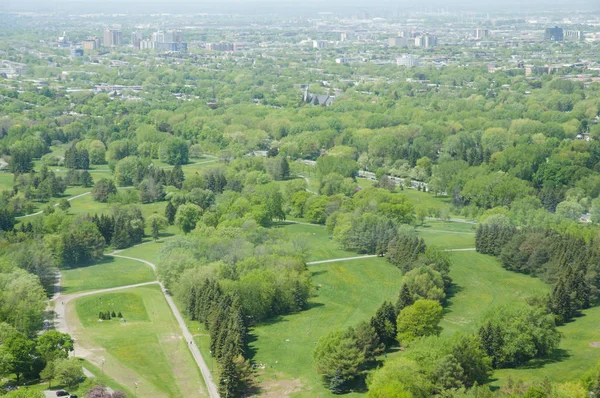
318	273
558	355
453	290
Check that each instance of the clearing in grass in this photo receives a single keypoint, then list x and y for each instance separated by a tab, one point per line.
145	347
346	293
110	272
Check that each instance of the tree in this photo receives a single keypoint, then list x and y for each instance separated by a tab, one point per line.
170	212
174	151
103	189
21	354
420	319
405	298
176	177
399	378
68	371
64	204
336	382
187	216
425	283
384	323
157	224
337	352
54	345
20	161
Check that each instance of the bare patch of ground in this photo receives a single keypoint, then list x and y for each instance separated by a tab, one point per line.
595	344
280	388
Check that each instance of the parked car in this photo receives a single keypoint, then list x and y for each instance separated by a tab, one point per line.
62	393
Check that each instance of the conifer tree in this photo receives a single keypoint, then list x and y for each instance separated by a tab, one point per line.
170	212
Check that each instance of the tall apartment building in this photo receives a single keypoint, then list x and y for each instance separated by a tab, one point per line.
574	35
113	38
91	43
426	41
136	38
398	42
554	34
319	44
171	40
481	33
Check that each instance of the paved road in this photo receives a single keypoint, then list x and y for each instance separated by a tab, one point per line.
210	384
56	204
335	260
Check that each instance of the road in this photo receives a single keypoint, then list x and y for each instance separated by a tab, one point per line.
56	204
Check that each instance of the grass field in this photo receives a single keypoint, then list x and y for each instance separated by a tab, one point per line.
320	246
480	283
447	239
147	349
347	293
111	272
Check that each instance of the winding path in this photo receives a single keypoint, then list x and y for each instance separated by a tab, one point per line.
56	204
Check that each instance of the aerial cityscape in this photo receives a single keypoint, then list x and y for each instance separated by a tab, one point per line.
299	199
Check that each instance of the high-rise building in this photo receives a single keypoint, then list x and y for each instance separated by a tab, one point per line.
319	44
554	34
136	38
426	41
91	43
574	35
408	60
171	40
113	38
398	42
481	33
76	52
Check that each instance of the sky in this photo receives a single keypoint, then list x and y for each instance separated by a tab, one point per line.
289	6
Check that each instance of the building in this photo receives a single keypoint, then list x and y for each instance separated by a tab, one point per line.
426	41
113	38
222	46
574	35
319	44
317	99
398	42
554	34
76	52
408	60
481	33
171	40
12	69
136	38
91	43
345	36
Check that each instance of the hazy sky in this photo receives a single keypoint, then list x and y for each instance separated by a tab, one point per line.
288	6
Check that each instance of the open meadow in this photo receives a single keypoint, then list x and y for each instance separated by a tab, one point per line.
145	347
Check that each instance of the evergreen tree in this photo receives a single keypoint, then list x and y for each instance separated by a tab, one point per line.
336	383
170	212
228	377
384	323
176	177
85	179
405	298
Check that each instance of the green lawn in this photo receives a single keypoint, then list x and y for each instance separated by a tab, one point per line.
111	272
147	349
148	251
448	239
320	246
347	293
480	283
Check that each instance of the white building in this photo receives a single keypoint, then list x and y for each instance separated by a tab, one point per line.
319	44
407	60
